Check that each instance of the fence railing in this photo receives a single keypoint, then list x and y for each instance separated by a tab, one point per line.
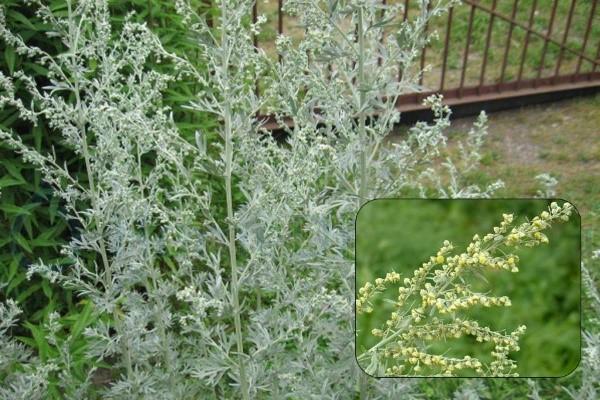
496	49
554	58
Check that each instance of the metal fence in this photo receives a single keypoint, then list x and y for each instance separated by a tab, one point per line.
497	50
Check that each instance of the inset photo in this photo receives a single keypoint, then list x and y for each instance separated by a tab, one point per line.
468	288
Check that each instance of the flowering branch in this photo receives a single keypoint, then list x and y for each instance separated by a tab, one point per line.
429	306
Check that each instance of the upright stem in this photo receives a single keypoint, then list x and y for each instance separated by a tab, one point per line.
151	284
94	203
229	198
233	253
101	244
362	132
363	384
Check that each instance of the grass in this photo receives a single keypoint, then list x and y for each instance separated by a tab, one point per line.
555	138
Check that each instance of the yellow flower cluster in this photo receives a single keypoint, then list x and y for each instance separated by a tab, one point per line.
445	306
529	233
440	330
420	360
363	303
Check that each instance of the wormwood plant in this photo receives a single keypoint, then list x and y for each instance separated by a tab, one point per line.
222	268
169	321
433	304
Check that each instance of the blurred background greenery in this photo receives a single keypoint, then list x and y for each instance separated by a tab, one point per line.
400	234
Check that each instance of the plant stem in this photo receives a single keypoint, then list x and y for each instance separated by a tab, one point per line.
94	203
362	192
362	132
101	244
229	198
151	284
386	340
233	252
364	394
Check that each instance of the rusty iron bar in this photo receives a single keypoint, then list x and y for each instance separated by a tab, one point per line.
424	49
382	38
466	52
255	42
564	39
508	40
280	16
446	46
586	36
279	21
527	37
548	34
208	15
354	61
488	37
329	66
597	57
254	18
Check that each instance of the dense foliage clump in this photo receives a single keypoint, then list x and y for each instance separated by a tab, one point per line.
220	266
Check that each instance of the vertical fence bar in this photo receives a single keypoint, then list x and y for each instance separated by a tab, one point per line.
545	47
446	46
280	16
354	61
254	17
329	66
508	39
488	37
527	37
424	49
255	41
586	36
209	17
279	20
466	53
564	39
597	58
382	38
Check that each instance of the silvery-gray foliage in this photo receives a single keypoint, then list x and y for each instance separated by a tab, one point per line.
472	389
548	185
295	226
253	298
590	357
